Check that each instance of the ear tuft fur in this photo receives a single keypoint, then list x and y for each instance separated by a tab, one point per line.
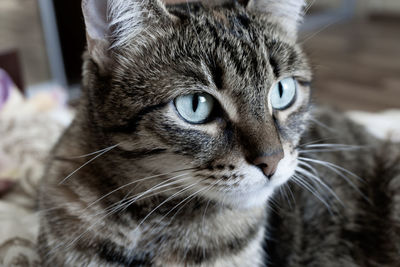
113	23
289	13
125	19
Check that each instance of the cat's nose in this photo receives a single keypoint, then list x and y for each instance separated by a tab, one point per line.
268	163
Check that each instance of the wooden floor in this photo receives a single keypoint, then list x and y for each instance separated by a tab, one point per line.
357	64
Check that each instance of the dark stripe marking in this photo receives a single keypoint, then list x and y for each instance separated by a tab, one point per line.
131	126
139	153
218	76
116	254
198	254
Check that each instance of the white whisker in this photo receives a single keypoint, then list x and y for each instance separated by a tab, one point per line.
316	141
108	214
333	167
88	162
134	182
89	154
315	172
203	223
126	202
291	193
307	186
316	178
334	145
162	203
309	5
322	124
274	207
191	197
158	186
285	195
326	150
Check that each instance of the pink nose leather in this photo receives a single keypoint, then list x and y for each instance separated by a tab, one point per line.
268	164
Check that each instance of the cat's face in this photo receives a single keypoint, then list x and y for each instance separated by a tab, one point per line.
222	92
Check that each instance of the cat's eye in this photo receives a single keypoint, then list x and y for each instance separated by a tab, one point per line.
195	108
283	94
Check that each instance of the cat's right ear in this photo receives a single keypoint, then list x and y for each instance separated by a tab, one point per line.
112	24
97	30
288	13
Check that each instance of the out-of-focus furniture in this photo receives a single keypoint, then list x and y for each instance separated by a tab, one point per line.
9	61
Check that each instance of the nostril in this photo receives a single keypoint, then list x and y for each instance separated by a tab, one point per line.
268	163
262	166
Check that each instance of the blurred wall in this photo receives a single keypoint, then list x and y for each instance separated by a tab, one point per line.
384	6
20	29
364	6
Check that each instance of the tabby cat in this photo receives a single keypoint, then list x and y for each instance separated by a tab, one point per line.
195	145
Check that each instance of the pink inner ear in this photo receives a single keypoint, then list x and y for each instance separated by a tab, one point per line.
95	13
5	87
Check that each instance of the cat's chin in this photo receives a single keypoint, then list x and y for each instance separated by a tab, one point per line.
249	200
244	200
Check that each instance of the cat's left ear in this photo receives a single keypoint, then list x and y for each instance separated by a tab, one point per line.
288	13
111	24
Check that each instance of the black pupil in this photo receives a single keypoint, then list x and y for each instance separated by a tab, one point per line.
280	87
195	102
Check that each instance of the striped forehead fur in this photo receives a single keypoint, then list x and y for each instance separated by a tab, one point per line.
128	18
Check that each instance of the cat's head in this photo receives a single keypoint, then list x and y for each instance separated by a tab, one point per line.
222	90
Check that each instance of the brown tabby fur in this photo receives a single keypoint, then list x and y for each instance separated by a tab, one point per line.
362	231
236	55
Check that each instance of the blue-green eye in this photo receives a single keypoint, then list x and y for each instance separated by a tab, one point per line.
283	94
195	108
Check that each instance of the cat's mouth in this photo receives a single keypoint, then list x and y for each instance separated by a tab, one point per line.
246	185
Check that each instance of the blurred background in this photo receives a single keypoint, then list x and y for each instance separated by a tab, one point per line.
354	46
